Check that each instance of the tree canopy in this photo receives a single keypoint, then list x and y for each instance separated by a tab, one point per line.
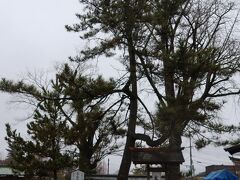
185	51
70	112
43	153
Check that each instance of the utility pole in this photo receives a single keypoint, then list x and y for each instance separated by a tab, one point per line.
108	166
191	161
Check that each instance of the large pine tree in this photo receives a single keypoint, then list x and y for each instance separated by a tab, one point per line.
185	49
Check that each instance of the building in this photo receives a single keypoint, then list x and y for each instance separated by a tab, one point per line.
6	173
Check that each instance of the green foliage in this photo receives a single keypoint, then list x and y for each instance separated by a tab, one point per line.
94	130
186	50
201	143
21	157
43	153
70	115
19	87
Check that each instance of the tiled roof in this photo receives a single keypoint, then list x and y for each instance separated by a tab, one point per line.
6	171
233	149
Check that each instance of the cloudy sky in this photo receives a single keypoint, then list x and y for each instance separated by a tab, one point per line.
33	39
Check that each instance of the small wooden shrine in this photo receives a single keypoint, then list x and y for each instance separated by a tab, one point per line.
157	156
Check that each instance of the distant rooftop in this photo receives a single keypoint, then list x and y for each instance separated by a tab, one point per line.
6	171
233	149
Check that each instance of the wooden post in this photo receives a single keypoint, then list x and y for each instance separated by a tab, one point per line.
148	172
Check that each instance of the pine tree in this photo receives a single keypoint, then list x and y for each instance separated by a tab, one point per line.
94	130
185	49
43	153
89	127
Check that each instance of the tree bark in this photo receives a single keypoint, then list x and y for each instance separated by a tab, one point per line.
130	141
55	175
84	161
173	170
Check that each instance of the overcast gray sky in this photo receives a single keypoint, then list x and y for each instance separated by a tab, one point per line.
33	38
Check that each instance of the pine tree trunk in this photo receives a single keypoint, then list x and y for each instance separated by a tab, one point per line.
126	161
173	170
84	162
55	175
130	141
